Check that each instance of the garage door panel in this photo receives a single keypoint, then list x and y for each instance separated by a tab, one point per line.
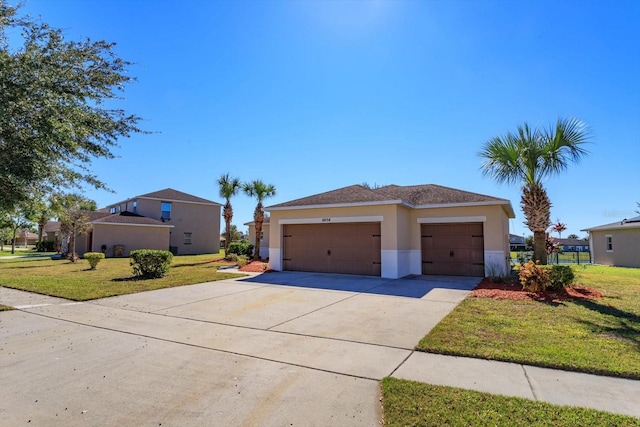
453	249
352	248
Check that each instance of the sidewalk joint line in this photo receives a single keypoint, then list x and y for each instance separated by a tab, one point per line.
526	375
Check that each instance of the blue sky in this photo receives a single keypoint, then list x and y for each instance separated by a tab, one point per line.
315	95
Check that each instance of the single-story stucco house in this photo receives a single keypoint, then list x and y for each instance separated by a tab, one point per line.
616	244
392	232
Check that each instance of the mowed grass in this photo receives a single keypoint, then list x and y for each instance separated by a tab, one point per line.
600	336
409	403
113	276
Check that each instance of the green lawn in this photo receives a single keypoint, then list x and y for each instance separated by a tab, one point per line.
409	403
23	252
599	336
113	276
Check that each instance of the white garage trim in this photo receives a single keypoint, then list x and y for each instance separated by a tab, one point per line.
275	259
452	219
330	220
400	263
495	263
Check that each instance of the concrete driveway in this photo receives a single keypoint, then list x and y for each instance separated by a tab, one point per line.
273	349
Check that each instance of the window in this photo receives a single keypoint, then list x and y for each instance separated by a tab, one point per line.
118	209
609	243
166	211
187	238
112	210
135	206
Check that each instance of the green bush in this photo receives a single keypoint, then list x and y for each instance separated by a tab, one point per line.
240	248
534	277
94	258
150	263
46	246
242	261
560	277
231	257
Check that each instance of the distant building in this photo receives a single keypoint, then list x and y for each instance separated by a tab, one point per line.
617	243
517	243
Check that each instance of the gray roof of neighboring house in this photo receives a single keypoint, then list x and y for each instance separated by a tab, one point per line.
267	220
170	194
572	242
625	224
412	195
51	226
128	218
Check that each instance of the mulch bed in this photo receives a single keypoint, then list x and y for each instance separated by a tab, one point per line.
256	267
513	291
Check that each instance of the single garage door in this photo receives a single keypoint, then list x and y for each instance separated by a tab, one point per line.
453	249
350	248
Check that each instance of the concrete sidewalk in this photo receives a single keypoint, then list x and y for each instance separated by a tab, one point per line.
616	395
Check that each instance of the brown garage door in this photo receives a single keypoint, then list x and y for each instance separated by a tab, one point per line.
453	249
351	248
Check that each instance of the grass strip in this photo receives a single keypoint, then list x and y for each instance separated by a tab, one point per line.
410	403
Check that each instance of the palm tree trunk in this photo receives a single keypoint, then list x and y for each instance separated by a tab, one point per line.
228	216
258	218
540	246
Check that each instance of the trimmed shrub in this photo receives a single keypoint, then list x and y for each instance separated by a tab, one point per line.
240	248
150	263
534	277
46	246
560	277
242	261
231	257
94	258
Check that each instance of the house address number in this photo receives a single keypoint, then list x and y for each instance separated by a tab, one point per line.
326	219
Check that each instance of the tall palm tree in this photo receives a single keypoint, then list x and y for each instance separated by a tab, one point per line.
528	156
260	191
229	187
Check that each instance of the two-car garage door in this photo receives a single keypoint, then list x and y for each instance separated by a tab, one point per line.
351	248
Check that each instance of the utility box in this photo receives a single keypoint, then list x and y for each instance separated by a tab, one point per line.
118	251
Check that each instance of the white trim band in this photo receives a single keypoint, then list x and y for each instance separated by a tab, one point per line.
452	219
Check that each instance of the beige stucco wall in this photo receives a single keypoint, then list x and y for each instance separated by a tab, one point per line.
201	220
626	247
131	236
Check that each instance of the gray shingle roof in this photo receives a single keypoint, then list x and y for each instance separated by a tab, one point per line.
128	218
171	194
414	195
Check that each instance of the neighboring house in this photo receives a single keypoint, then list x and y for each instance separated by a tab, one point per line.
517	243
264	236
195	221
617	243
25	237
392	231
573	245
51	233
166	219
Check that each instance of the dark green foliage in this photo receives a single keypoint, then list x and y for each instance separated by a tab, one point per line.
150	263
560	277
46	246
240	248
54	115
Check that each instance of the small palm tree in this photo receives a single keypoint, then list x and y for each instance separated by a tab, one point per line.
260	191
229	187
529	156
559	227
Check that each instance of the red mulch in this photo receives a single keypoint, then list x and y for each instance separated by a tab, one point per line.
256	267
513	291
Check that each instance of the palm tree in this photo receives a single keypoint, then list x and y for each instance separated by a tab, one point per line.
528	157
260	191
559	227
229	187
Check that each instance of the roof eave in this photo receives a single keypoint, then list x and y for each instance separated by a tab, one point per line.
337	205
